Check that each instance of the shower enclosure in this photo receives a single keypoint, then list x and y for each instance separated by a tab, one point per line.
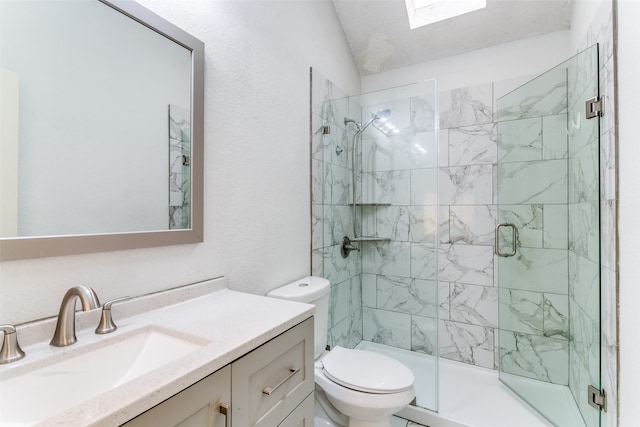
464	225
375	215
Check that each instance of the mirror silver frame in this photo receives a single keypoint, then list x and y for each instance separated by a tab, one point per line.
40	247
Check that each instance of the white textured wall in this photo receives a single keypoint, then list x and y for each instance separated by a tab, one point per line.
256	219
520	58
629	157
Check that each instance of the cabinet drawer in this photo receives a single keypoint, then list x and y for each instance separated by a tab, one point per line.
271	381
302	416
198	405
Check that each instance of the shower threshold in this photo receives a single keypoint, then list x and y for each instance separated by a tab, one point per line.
470	396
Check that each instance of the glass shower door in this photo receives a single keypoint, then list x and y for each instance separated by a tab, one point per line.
548	242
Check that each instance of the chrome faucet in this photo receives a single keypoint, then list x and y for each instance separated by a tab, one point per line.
65	333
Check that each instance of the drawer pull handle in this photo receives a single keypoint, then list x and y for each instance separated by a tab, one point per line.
269	390
224	410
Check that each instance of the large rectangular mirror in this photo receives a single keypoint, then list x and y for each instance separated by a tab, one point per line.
101	134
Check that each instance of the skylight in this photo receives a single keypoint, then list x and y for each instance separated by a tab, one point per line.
425	12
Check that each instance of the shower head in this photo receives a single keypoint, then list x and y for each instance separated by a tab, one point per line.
381	115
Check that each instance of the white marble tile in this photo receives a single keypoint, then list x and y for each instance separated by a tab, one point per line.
556	316
338	222
443	300
607	78
317	262
473	224
340	184
528	219
556	227
609	349
466	263
366	220
408	150
466	106
521	311
443	148
472	145
473	304
585	340
407	295
347	333
581	132
519	140
444	224
584	283
542	96
424	334
393	222
337	269
386	327
533	356
317	221
532	182
424	189
369	290
466	185
317	175
317	149
423	260
608	165
386	187
584	175
466	343
584	232
423	113
532	269
554	137
422	223
386	258
340	295
608	233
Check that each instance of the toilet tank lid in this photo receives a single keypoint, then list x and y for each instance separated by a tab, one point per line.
307	289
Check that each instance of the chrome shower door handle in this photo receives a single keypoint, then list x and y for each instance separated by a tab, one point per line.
514	240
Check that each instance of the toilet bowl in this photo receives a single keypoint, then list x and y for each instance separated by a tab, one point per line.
359	388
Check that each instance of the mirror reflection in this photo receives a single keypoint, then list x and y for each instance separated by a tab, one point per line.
96	122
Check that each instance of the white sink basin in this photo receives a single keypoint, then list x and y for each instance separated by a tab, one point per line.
31	396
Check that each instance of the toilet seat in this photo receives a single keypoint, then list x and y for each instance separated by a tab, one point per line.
366	371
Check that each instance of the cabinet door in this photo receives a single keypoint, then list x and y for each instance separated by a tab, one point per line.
196	406
272	380
302	416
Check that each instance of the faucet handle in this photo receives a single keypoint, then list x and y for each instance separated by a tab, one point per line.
106	324
11	350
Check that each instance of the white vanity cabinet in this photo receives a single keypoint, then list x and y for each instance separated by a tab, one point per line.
268	387
200	405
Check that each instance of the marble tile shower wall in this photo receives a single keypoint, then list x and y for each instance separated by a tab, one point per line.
330	208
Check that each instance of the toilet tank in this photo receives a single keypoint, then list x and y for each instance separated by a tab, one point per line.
311	290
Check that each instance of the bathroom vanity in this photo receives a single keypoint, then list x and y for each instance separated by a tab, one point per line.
205	356
248	391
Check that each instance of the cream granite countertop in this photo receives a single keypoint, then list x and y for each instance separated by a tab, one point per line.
233	323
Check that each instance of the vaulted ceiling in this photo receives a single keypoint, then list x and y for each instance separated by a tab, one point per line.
380	39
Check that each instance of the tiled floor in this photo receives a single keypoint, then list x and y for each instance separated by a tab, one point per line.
401	422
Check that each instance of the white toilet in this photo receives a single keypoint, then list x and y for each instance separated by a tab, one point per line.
354	388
